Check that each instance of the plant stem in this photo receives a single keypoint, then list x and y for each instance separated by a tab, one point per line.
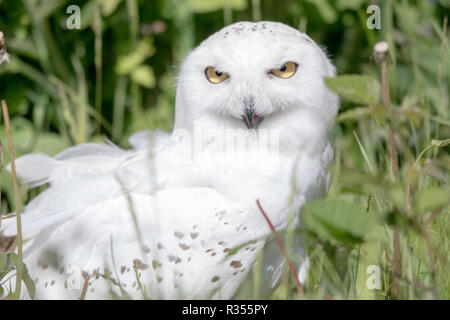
283	251
381	53
1	168
17	202
227	15
256	10
97	26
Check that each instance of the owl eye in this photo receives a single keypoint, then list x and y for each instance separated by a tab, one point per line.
215	76
287	70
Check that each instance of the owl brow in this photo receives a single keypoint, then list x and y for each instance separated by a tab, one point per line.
278	66
216	68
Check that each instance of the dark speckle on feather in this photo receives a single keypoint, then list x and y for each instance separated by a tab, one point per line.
174	259
178	234
184	246
194	235
156	264
138	264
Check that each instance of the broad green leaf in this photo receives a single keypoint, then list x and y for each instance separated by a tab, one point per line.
203	6
5	264
360	89
338	221
432	198
144	76
354	114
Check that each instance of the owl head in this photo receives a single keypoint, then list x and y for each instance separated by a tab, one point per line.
254	76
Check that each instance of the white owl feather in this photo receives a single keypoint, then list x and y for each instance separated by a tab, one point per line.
156	221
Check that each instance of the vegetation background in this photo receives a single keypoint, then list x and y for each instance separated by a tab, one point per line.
117	75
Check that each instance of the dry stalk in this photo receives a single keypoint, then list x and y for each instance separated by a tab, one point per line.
283	251
381	53
16	198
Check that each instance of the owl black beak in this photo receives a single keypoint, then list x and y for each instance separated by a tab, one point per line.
251	119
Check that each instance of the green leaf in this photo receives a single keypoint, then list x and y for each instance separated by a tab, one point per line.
432	198
378	111
109	6
29	283
338	221
355	114
22	133
360	89
50	143
203	6
87	14
5	265
128	63
327	12
144	76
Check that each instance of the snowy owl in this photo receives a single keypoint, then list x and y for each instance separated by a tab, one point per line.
176	216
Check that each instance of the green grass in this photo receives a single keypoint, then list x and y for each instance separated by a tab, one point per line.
116	76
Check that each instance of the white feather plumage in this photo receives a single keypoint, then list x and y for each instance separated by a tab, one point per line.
147	222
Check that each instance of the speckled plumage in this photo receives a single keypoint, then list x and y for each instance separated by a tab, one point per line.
146	223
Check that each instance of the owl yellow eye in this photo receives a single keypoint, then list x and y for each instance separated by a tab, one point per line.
215	76
287	70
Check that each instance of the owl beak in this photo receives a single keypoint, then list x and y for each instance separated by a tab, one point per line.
251	119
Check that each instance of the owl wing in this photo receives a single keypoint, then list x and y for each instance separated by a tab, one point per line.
110	219
88	173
